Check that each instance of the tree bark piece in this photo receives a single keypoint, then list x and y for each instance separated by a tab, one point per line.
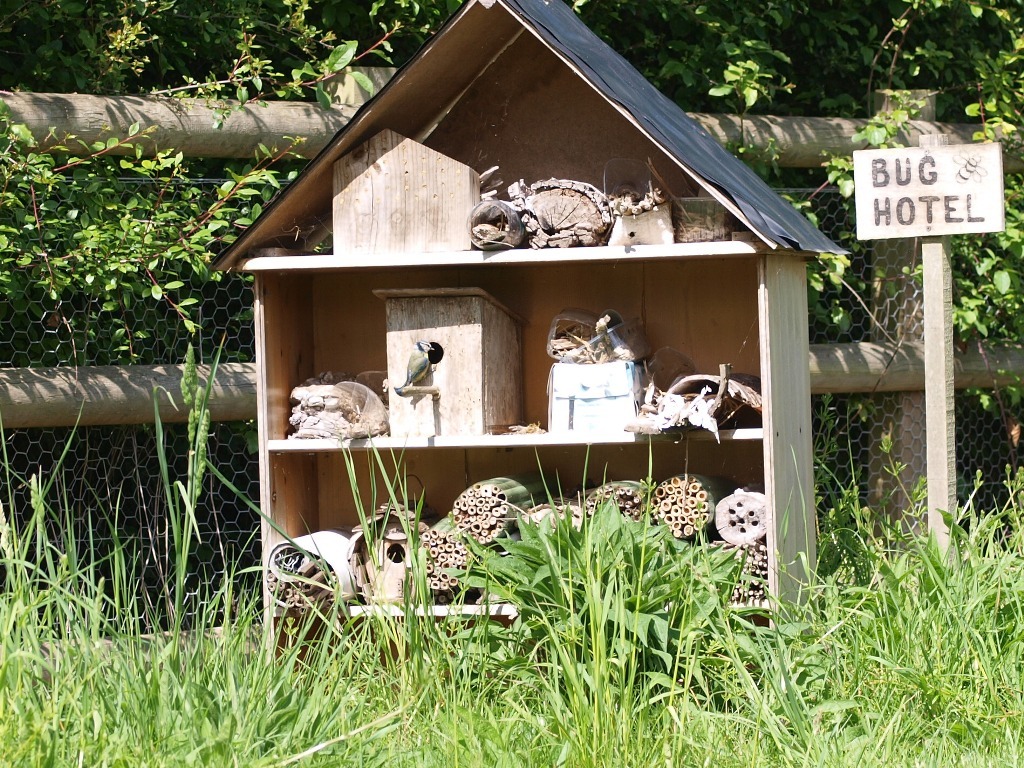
558	509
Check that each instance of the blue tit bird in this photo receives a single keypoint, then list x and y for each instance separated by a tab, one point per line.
424	356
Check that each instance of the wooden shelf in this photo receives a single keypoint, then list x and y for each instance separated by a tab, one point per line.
503	441
525	256
490	610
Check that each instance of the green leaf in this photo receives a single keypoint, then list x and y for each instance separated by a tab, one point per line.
322	97
156	292
363	81
341	56
1001	280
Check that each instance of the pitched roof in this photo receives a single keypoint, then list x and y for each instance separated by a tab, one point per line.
448	64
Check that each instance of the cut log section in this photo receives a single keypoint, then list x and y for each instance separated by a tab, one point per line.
686	503
742	518
561	213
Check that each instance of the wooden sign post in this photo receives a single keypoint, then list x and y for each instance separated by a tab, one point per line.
931	192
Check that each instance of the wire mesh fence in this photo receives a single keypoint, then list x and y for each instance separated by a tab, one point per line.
111	478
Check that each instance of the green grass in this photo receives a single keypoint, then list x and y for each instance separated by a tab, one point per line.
627	653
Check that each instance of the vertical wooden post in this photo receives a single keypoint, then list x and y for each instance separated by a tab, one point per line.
938	365
898	317
789	454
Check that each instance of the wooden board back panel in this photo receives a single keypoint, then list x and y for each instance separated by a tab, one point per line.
707	309
393	195
548	123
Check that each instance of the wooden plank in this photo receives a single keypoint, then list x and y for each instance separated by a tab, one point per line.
929	191
788	452
506	441
938	363
522	256
394	195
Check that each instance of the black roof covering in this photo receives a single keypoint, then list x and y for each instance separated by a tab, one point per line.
667	124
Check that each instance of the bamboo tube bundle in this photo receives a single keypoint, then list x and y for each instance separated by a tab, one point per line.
445	550
558	509
752	586
628	495
686	503
742	517
490	508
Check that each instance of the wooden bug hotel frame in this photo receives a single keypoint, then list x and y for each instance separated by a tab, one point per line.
524	86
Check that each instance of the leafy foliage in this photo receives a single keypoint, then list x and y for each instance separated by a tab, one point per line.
615	593
110	233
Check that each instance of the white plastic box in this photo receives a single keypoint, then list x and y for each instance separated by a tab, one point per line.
592	398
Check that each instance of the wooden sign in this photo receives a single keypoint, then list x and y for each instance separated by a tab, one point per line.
929	191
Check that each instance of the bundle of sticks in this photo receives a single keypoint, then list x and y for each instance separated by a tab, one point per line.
752	586
628	495
445	550
490	508
686	503
307	588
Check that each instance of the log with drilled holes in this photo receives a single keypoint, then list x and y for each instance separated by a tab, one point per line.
742	517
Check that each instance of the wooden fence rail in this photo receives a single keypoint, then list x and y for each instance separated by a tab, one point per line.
228	130
111	395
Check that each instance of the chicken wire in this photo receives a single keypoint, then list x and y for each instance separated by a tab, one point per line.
110	476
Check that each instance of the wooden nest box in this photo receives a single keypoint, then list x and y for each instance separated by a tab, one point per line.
477	385
394	195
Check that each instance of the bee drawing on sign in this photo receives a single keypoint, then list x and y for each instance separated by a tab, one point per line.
970	168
